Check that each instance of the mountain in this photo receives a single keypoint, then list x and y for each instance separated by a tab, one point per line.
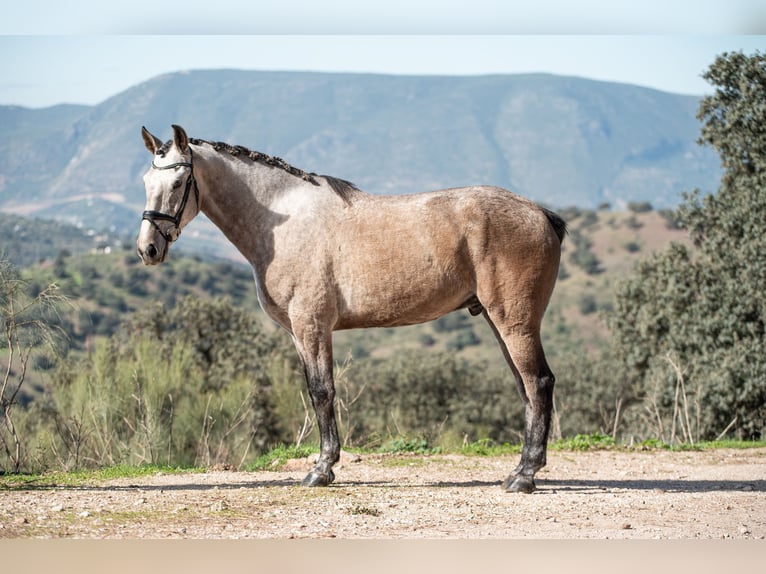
559	140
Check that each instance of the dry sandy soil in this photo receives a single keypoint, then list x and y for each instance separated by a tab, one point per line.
605	494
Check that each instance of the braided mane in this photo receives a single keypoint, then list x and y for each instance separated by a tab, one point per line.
343	188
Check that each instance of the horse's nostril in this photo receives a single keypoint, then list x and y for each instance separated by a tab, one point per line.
151	251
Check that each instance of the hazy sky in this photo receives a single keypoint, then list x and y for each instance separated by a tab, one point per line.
83	51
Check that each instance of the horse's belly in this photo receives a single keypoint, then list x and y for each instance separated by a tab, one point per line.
405	300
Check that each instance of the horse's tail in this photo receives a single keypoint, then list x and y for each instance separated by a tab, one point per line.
557	222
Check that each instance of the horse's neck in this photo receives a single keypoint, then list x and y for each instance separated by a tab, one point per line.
232	196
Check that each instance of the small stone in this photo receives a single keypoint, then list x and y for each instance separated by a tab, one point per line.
57	508
626	526
139	502
744	529
84	514
21	520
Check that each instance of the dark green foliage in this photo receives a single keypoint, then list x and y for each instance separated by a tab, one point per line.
582	256
592	394
671	220
186	386
226	341
598	441
434	397
462	339
451	322
694	319
404	445
589	218
639	206
633	223
588	304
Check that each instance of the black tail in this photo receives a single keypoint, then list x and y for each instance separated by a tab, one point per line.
558	223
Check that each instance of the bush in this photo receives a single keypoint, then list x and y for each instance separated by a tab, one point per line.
691	322
191	386
434	397
639	206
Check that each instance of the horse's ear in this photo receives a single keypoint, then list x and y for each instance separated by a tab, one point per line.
179	138
151	142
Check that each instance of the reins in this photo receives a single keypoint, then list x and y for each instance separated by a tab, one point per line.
152	216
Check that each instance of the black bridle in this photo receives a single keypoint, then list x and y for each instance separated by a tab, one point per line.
153	216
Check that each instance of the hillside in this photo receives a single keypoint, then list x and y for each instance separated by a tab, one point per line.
106	286
559	140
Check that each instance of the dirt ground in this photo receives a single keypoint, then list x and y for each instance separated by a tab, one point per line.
605	494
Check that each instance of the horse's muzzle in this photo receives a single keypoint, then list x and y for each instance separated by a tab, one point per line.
151	246
150	255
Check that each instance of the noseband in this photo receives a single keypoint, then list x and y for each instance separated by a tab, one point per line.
152	216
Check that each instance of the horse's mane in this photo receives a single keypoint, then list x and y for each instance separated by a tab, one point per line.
345	189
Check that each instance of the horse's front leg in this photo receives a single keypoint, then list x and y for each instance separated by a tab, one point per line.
315	350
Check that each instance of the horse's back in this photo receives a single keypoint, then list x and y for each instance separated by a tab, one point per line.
409	259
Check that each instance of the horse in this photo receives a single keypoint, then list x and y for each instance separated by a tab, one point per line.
327	256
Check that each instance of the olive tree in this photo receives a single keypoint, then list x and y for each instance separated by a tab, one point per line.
690	321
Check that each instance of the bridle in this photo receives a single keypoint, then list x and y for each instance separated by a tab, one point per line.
152	216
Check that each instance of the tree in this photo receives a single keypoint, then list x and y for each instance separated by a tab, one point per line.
690	323
28	327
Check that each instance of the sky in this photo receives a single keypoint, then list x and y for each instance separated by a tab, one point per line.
85	51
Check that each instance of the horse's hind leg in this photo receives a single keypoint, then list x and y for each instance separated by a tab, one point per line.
520	342
315	350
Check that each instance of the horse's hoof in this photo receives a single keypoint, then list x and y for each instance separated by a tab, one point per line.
315	478
519	483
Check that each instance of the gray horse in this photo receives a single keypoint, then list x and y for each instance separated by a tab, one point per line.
327	256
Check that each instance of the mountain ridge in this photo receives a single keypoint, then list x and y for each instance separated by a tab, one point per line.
560	140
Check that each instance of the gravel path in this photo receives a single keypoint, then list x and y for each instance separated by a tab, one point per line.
606	494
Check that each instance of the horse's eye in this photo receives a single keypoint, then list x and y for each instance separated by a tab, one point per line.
177	184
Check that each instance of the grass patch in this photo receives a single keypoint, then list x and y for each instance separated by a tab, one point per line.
595	441
408	446
652	444
487	447
277	457
80	477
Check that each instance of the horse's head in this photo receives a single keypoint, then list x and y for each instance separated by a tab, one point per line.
169	184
